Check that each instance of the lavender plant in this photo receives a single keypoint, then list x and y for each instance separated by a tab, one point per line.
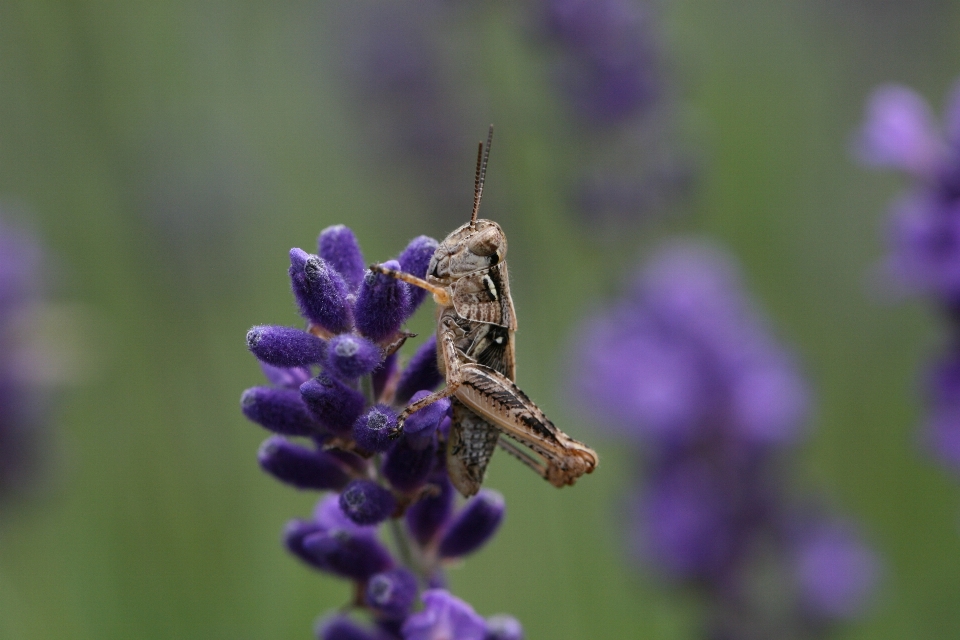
407	67
900	133
24	371
609	66
336	388
685	369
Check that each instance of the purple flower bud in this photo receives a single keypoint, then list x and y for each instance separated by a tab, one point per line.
320	292
474	525
338	246
444	616
682	524
373	430
391	594
279	410
382	304
407	465
835	572
503	627
421	372
769	401
414	260
301	467
329	515
427	516
285	346
347	554
425	421
899	132
289	377
350	356
293	536
332	403
367	503
341	627
381	376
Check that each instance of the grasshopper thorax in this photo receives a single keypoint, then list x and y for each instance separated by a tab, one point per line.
472	247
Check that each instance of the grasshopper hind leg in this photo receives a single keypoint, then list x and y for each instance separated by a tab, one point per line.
470	445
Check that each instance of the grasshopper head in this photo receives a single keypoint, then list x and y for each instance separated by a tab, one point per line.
470	248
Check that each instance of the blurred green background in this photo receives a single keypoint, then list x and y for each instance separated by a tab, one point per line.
157	522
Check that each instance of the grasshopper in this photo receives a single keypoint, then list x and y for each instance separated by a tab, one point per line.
476	322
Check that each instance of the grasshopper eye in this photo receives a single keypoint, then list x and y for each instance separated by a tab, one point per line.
487	243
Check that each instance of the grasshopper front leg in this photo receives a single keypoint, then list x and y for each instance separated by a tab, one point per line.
448	351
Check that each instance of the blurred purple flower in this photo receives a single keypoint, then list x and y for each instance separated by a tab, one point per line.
24	389
444	617
609	66
900	132
685	367
835	572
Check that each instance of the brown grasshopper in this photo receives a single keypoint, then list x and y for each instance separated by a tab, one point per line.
475	325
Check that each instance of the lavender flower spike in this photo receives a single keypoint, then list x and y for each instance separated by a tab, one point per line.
348	414
713	402
444	616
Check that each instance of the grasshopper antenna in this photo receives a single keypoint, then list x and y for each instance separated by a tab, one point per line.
483	154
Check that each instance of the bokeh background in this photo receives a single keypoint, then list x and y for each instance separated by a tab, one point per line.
170	153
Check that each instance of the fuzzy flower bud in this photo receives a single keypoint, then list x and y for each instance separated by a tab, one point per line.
444	616
421	372
474	525
339	247
382	304
366	503
423	424
503	627
285	346
392	593
372	430
406	465
301	467
332	403
279	410
414	260
320	291
350	356
347	554
294	534
427	516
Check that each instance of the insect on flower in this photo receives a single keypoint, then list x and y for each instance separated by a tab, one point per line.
475	327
